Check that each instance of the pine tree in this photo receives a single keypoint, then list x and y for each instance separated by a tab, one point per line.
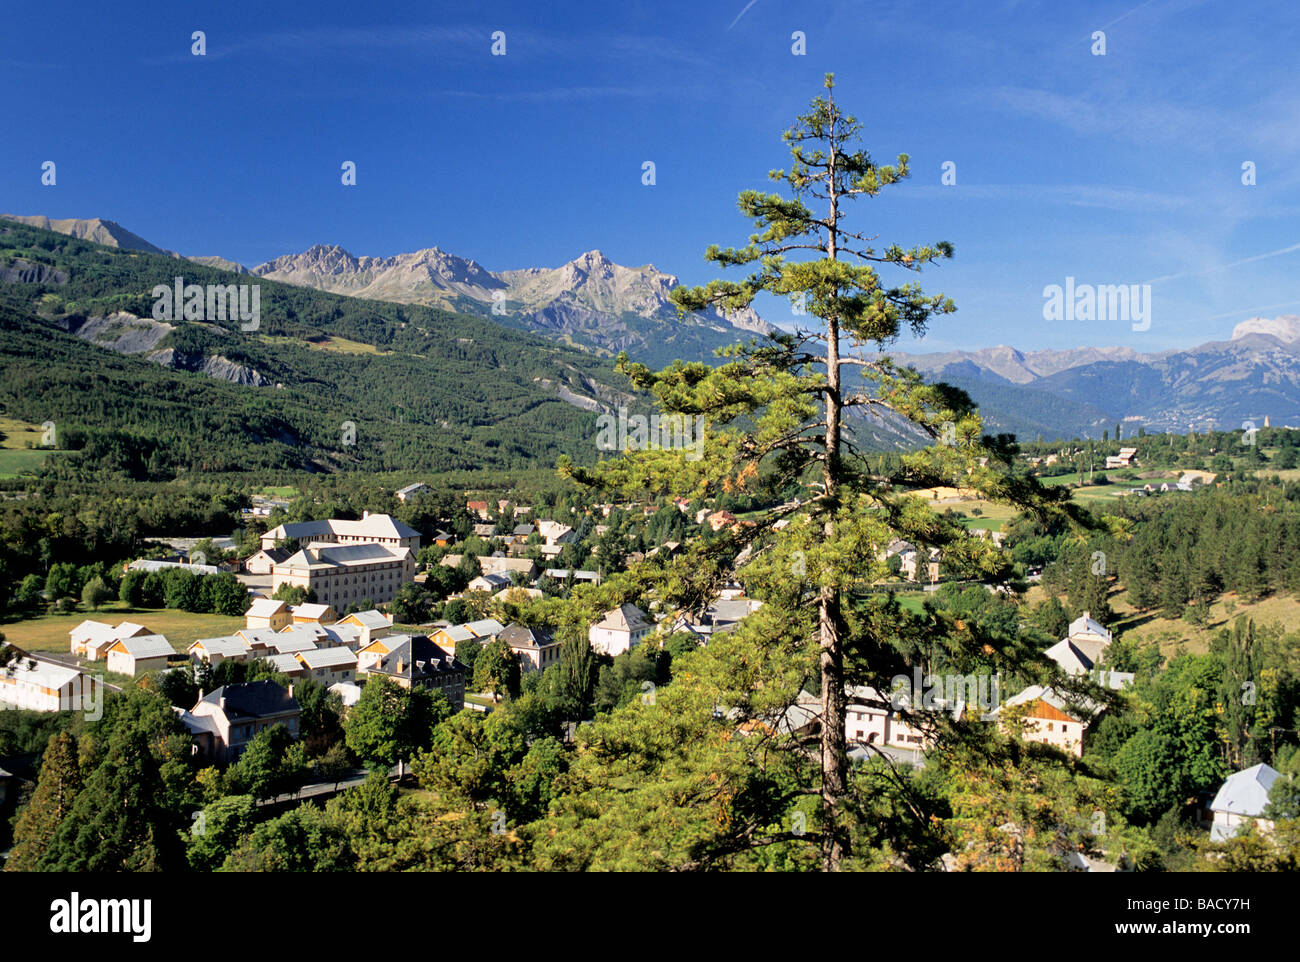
1141	577
775	415
118	821
577	675
1174	589
56	789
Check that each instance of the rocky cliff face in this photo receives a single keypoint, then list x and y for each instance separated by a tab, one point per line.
221	368
127	334
22	271
589	302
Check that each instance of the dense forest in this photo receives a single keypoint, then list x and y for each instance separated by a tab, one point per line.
454	392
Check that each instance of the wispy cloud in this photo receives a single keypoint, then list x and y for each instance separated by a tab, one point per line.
1073	195
563	94
1141	119
1225	267
1246	312
741	14
1111	23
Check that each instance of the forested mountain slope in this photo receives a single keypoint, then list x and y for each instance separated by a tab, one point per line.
423	388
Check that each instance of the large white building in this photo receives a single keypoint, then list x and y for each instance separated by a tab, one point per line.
872	718
346	574
371	529
34	685
620	629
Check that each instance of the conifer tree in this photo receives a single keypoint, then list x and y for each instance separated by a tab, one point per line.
56	789
775	415
118	821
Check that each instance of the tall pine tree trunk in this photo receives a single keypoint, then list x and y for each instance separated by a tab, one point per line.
834	752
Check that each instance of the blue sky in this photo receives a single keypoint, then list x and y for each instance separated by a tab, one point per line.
1117	169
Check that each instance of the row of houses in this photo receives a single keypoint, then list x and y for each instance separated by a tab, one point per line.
310	641
480	509
535	648
618	630
1045	715
1186	482
551	537
1050	717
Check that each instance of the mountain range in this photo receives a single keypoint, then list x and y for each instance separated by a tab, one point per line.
602	307
1081	392
589	302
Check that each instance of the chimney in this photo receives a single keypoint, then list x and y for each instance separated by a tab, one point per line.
221	703
364	515
290	689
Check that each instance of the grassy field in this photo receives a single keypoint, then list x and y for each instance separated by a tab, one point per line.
50	632
1171	633
18	452
283	491
342	345
911	601
16	464
1093	492
992	516
1102	492
338	345
1287	474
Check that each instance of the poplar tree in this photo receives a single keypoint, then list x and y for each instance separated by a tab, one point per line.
775	415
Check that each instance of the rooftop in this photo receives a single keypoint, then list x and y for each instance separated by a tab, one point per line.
254	699
1246	792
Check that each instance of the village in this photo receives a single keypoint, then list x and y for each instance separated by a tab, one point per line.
322	598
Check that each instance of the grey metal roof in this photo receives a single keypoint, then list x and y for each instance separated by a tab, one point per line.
1246	792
